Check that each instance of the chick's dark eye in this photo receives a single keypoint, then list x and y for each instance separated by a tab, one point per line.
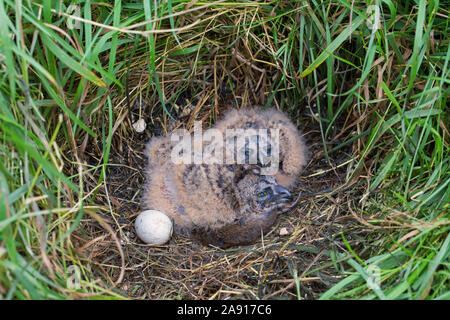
262	194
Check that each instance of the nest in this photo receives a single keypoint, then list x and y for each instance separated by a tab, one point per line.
299	258
296	259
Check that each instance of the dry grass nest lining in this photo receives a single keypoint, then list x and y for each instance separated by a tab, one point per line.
182	269
276	267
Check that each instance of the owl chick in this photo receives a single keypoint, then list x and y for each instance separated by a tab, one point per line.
214	205
259	199
293	155
224	204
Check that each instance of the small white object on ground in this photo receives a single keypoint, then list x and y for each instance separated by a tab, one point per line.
284	232
153	227
140	125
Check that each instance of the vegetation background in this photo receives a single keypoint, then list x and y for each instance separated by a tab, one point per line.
366	81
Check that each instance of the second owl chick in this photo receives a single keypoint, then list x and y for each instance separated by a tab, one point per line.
293	151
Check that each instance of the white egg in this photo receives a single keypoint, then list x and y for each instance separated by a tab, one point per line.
153	227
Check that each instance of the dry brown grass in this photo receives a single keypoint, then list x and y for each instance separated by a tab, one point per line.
233	55
294	265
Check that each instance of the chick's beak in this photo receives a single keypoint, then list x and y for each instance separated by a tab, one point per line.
282	194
